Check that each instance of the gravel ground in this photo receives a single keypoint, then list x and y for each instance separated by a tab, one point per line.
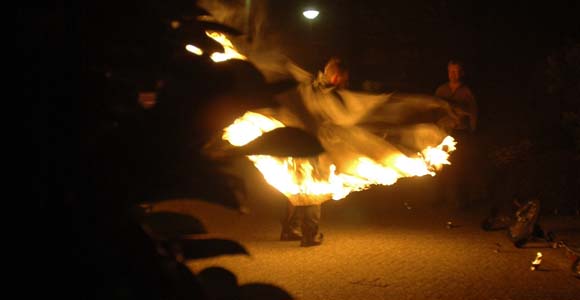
377	248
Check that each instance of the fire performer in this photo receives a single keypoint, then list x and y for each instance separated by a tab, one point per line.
305	218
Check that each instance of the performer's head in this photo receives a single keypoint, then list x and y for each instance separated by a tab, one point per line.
455	71
336	72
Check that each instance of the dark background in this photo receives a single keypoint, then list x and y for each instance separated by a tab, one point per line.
522	61
412	40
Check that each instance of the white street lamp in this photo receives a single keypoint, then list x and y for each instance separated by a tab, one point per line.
310	14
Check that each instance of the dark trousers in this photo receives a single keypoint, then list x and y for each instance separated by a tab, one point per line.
303	219
462	184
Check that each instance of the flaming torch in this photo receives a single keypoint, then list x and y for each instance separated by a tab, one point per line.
230	51
536	262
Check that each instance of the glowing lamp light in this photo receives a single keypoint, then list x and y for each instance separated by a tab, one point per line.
310	14
175	24
193	49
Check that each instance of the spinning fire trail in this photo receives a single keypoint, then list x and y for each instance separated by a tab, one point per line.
313	180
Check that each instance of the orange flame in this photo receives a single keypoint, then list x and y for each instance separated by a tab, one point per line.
230	50
315	180
193	49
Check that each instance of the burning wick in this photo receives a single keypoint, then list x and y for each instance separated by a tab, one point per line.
536	263
449	225
498	248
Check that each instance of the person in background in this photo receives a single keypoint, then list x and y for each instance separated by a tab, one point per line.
458	182
459	95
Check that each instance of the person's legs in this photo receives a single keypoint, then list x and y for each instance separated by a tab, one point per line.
447	189
471	174
456	176
310	226
291	223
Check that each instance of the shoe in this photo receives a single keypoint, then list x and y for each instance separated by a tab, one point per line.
312	242
290	236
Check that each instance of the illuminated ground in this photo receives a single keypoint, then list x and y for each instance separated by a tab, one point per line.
377	248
